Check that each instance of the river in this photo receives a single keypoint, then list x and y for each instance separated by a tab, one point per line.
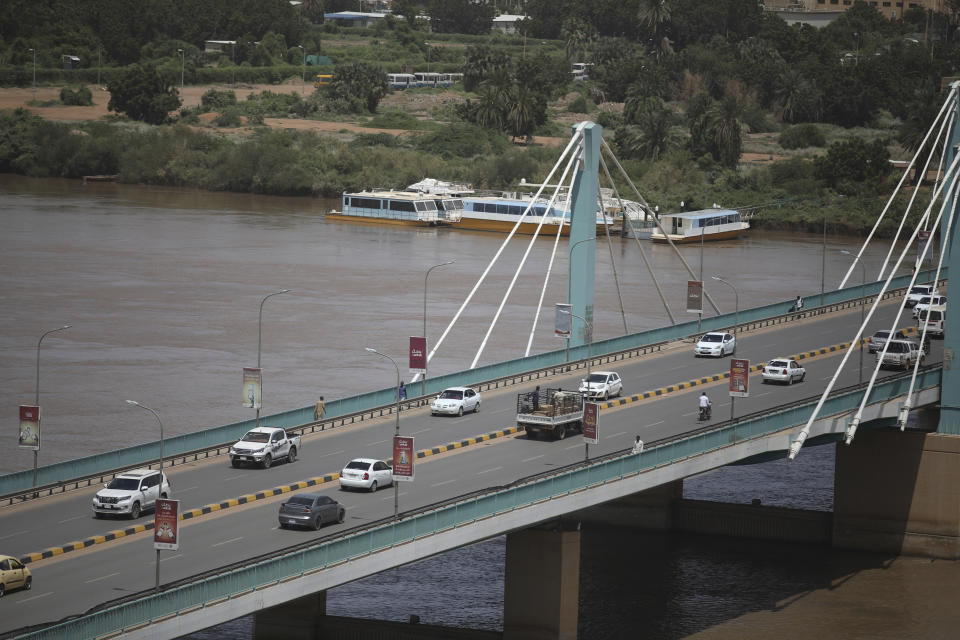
162	288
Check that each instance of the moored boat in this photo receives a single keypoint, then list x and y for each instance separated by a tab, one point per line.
706	225
396	207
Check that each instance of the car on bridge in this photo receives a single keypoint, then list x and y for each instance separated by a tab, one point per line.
310	510
131	492
366	473
877	340
13	575
928	301
902	354
786	370
601	385
716	343
455	401
918	291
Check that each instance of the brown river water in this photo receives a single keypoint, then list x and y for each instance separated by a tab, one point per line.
163	286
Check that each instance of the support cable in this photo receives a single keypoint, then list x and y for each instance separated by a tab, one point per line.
613	264
659	226
951	97
576	138
643	253
851	429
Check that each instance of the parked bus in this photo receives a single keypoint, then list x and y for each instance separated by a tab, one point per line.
322	80
427	79
401	80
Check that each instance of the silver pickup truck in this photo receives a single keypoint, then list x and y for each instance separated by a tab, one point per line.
263	445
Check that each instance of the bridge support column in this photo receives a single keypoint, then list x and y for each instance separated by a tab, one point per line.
899	492
542	585
300	619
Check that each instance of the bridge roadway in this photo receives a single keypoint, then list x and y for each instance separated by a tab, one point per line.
73	582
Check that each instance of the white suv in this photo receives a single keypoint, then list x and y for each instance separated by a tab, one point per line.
131	492
919	291
901	353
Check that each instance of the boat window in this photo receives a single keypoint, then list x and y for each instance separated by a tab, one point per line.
366	203
517	211
401	205
501	208
540	211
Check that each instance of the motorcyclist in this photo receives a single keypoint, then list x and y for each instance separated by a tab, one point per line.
705	406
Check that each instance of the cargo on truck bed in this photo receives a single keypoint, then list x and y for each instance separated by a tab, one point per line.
549	411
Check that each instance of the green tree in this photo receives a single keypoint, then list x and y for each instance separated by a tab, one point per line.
854	165
651	136
142	93
461	16
407	9
359	80
655	15
577	36
482	62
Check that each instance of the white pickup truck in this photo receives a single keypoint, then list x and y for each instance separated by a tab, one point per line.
263	445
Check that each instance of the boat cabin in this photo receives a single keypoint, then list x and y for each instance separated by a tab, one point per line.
711	224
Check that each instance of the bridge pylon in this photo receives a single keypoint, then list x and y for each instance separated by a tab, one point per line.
950	382
583	232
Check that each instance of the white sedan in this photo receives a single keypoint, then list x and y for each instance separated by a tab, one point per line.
716	343
785	370
601	384
455	401
366	473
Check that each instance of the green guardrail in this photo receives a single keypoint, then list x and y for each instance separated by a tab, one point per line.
211	437
523	493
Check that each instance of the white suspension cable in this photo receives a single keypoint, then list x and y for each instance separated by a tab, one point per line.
951	97
577	136
613	263
523	261
553	254
851	429
913	197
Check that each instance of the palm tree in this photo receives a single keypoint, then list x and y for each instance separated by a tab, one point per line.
521	117
577	34
726	131
654	14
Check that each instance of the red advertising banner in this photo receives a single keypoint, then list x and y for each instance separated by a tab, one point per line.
29	427
403	455
591	411
252	387
418	354
694	296
739	378
166	524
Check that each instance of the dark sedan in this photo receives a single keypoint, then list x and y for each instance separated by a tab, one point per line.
310	510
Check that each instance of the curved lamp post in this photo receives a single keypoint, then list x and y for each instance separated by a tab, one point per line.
303	62
396	487
183	56
863	283
588	327
423	380
736	303
157	416
36	393
260	340
34	51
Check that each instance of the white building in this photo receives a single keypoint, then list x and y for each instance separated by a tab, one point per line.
507	23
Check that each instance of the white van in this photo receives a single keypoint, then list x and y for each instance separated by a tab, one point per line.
934	318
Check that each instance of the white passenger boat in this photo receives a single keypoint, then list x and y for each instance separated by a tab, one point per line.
708	224
397	207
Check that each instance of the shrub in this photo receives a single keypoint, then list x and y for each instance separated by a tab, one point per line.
80	97
215	100
579	105
801	136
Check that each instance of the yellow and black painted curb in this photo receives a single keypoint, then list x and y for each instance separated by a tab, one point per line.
246	499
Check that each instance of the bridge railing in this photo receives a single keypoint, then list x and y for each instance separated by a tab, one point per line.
284	565
90	467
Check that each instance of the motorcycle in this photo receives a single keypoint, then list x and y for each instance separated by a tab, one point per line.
705	413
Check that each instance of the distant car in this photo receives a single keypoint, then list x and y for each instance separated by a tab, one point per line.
601	384
785	370
455	401
901	354
310	510
918	291
879	339
131	492
716	343
13	575
928	301
366	473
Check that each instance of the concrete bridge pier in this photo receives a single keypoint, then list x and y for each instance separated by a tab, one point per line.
541	597
899	492
300	619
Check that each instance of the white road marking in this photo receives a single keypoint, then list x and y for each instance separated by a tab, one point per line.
765	393
501	410
489	470
378	442
575	446
534	458
11	535
413	433
73	518
687	415
228	541
653	424
332	453
229	478
185	489
165	558
615	435
109	575
42	595
440	484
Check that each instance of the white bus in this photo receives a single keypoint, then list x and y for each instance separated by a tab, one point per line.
401	80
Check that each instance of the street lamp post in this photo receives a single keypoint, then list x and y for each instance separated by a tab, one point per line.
396	487
36	394
34	74
823	260
98	66
423	380
303	70
588	327
260	342
736	323
428	56
863	282
183	56
157	416
570	259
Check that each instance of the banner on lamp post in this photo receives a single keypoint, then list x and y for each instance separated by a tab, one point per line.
562	320
694	296
418	354
403	455
739	378
29	427
591	412
252	387
166	524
